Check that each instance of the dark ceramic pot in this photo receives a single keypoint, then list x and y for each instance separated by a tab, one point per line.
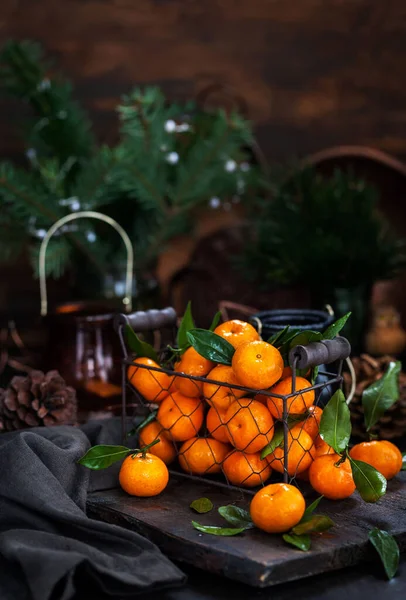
307	319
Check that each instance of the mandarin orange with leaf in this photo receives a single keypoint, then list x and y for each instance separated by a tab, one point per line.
237	332
143	475
331	477
381	454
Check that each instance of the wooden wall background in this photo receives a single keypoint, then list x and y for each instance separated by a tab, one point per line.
313	73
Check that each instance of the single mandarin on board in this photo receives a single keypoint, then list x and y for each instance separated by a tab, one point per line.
143	475
277	507
331	479
381	454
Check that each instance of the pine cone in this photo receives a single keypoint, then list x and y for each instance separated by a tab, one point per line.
37	399
367	370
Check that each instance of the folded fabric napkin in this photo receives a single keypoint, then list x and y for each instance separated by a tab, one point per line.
49	548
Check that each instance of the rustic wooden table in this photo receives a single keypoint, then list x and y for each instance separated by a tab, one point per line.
252	558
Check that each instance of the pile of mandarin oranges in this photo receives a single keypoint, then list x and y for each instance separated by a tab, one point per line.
211	427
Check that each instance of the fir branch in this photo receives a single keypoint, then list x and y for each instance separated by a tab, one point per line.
60	127
94	185
22	196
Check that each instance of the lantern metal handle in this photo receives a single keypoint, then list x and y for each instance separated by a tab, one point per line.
86	214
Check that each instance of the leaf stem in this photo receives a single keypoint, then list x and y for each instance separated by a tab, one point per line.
144	449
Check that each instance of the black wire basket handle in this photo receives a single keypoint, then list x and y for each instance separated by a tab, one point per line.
320	353
141	321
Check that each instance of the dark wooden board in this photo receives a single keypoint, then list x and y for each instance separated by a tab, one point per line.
254	557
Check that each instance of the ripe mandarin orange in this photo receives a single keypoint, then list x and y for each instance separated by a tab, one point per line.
200	456
334	482
287	372
172	387
322	447
143	475
152	385
297	404
277	507
180	416
301	453
164	449
221	396
215	424
245	469
237	332
257	365
383	455
192	363
311	423
250	425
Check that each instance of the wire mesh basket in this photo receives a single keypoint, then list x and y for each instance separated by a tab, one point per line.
211	426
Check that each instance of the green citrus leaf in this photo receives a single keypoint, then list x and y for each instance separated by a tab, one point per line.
278	338
216	321
381	395
284	344
313	524
403	461
303	542
315	372
305	337
139	347
202	505
335	328
101	457
370	484
238	517
151	417
186	325
211	346
312	507
387	548
335	423
276	441
224	531
278	436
